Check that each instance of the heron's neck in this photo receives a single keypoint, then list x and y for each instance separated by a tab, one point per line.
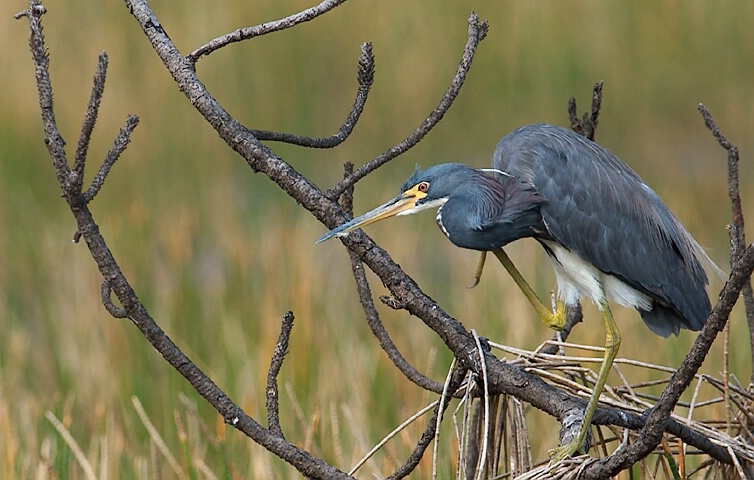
497	212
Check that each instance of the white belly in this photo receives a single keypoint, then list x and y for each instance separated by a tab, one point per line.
578	278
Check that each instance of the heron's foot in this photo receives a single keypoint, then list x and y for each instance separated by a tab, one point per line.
575	435
556	319
566	451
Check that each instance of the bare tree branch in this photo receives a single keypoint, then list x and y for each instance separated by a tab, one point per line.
54	141
737	232
366	79
281	349
378	329
306	463
263	29
477	33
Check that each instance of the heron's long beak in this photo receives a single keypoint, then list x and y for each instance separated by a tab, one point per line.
403	203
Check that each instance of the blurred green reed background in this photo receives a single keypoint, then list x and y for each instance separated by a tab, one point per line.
218	254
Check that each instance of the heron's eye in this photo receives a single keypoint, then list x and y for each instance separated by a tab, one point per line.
423	187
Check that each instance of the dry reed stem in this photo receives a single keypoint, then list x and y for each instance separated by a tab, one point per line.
193	414
297	409
356	430
485	436
462	432
335	428
439	417
392	434
104	458
739	468
204	468
72	444
159	443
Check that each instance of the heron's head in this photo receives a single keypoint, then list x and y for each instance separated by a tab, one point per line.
425	189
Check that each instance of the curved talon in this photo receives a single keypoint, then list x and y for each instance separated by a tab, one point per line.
478	271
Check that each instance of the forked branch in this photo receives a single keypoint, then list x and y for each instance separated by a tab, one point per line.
116	282
365	77
587	125
477	33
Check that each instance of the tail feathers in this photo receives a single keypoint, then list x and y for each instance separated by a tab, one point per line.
664	320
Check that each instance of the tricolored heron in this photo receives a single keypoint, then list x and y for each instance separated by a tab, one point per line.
608	234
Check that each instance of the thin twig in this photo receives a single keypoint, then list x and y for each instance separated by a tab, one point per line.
366	79
462	432
119	146
477	33
34	9
379	331
90	118
263	29
587	126
53	139
373	317
278	355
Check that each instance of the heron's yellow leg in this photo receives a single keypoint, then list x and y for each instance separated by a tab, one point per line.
553	319
612	344
478	271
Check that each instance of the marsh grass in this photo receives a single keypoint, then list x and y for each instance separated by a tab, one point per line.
218	255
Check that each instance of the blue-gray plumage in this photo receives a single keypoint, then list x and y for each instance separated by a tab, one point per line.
608	234
596	206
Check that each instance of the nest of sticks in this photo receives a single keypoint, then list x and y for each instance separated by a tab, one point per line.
496	444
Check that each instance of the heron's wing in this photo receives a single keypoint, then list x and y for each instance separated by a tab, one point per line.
595	205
